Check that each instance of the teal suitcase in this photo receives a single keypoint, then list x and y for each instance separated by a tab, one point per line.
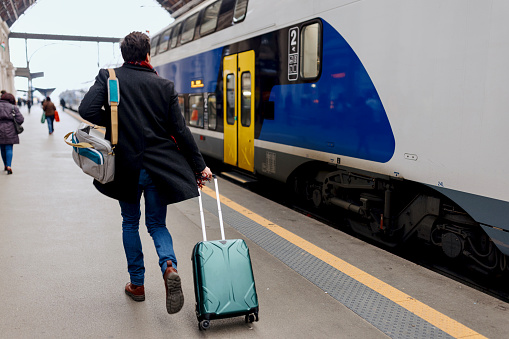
224	284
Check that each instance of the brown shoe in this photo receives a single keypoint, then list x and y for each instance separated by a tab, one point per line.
137	293
174	295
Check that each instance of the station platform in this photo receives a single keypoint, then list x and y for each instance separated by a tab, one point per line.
63	267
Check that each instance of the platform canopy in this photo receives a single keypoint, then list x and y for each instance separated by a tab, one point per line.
45	91
11	10
178	7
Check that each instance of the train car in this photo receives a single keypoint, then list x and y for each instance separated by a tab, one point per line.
391	110
72	98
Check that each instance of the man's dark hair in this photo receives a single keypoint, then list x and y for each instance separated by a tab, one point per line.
135	46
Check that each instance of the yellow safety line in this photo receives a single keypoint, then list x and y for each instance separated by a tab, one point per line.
437	319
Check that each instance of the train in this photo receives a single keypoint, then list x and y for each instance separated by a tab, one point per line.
72	98
391	111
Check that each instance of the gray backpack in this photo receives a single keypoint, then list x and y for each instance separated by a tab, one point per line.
95	155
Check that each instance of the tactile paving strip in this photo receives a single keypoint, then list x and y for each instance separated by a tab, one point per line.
390	318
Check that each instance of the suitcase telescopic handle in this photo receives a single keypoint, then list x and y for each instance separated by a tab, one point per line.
201	217
220	214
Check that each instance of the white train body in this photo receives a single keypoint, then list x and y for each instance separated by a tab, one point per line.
439	69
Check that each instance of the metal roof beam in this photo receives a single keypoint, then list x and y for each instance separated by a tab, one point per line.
185	8
174	6
14	10
18	35
7	10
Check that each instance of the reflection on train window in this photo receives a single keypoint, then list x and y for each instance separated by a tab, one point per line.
209	21
310	51
175	35
164	42
182	105
240	11
245	100
196	106
188	29
211	105
230	99
153	45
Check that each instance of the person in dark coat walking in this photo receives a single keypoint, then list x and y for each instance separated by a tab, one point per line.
8	135
155	155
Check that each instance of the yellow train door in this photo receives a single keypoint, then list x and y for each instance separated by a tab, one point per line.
230	108
238	89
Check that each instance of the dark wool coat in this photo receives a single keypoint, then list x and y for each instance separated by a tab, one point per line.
8	135
149	123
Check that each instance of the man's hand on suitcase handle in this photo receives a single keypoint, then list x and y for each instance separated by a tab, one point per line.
205	175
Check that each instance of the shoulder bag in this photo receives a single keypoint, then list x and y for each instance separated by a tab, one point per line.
19	129
96	156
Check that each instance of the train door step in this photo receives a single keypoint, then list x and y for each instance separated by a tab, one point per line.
239	177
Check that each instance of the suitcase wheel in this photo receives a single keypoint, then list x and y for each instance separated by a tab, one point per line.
250	318
203	325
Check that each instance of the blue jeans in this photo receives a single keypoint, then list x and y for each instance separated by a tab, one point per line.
155	220
6	154
50	120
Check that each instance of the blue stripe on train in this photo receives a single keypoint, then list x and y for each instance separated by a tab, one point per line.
341	113
204	66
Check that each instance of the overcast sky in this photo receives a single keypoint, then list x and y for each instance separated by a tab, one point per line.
73	64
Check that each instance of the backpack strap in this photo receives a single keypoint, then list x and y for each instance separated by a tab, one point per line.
113	99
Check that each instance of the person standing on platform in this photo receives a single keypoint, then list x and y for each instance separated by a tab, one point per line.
49	109
8	135
156	156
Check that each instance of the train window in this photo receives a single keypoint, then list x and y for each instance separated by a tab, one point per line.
240	11
211	105
182	104
196	105
245	100
310	51
153	45
209	21
230	99
164	42
175	35
188	29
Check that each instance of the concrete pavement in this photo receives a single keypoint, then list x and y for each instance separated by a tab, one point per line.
63	266
63	269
